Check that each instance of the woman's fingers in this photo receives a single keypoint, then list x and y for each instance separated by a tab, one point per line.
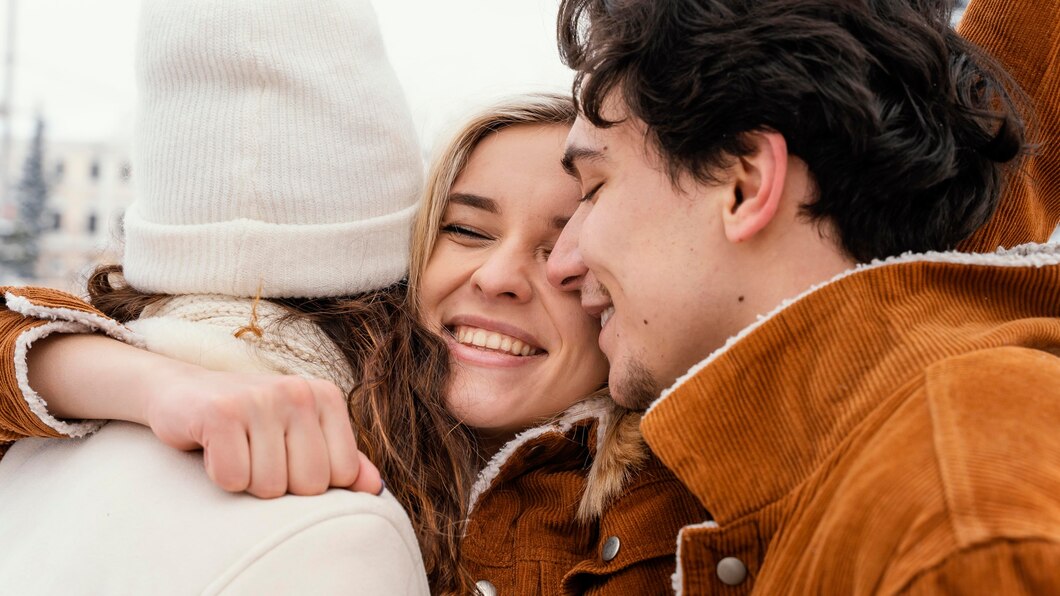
308	467
334	421
268	459
266	435
368	478
226	453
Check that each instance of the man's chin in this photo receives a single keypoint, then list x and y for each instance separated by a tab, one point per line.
633	387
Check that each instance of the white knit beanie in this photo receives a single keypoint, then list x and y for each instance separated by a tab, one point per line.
274	151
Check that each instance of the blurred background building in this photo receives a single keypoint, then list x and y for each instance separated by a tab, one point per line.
81	189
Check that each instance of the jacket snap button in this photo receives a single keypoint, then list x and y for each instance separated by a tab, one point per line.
611	546
731	571
485	588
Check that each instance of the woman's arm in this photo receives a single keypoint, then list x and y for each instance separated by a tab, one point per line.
265	434
88	376
261	433
27	317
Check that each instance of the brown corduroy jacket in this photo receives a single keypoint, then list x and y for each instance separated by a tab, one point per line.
578	507
892	432
575	506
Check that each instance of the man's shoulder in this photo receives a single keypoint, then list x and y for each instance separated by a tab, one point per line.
966	459
996	411
994	416
976	442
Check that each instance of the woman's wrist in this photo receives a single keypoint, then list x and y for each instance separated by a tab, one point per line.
89	376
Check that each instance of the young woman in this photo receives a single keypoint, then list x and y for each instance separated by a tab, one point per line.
566	497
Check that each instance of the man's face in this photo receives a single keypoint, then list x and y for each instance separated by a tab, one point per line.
650	259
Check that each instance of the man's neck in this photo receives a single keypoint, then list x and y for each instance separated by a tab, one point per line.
789	259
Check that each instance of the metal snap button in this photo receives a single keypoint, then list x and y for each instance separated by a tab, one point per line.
731	571
485	588
611	546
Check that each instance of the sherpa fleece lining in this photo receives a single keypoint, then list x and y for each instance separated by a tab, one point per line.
63	320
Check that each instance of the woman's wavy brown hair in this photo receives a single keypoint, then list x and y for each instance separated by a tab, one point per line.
397	407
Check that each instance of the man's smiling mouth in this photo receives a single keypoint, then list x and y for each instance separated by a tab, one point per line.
606	315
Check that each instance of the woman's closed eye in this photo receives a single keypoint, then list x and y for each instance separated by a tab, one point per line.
465	233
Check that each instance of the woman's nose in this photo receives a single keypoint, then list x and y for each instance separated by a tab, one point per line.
504	275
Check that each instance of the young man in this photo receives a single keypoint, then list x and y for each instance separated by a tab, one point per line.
853	425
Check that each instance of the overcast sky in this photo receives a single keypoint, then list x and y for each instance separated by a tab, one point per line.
74	59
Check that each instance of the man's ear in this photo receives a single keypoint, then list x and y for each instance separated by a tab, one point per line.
757	186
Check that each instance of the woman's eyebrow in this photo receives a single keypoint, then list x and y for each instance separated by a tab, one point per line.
474	201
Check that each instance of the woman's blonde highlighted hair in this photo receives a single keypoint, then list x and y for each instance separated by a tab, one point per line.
450	161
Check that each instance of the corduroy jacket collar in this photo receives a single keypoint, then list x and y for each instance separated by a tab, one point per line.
747	425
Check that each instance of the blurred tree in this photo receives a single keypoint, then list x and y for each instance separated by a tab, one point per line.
20	242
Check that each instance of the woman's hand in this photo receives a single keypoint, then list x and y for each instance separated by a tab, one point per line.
264	434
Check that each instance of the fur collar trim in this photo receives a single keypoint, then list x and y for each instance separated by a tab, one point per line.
60	320
620	451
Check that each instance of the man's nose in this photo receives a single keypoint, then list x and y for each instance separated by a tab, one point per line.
565	268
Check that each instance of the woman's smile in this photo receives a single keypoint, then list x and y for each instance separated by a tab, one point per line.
485	290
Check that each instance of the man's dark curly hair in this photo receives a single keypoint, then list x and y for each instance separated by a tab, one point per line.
903	124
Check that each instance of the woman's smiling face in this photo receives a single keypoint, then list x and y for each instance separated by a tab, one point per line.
522	350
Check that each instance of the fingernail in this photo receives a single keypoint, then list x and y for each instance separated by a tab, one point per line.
382	487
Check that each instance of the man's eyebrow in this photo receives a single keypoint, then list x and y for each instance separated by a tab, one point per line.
559	223
574	154
474	201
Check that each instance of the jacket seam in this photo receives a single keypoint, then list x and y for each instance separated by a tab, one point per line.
973	546
245	564
936	436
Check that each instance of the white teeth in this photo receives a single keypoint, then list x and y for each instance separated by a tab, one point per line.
606	315
491	340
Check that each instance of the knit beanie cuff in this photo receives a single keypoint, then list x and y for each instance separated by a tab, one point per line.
248	258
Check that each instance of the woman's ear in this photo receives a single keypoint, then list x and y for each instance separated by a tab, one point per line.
757	188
